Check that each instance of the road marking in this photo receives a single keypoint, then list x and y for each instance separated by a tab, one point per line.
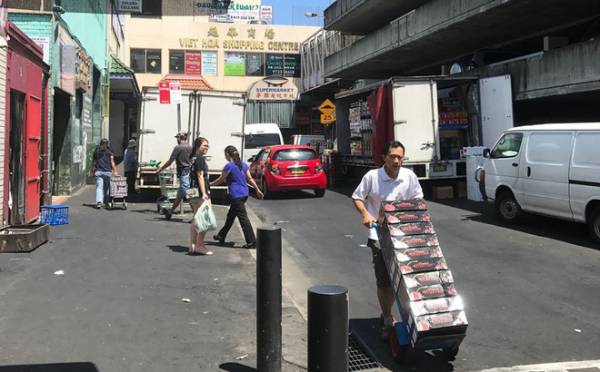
582	366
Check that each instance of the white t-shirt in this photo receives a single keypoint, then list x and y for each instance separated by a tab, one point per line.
376	187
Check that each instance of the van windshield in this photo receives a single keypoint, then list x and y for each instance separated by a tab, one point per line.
257	141
508	146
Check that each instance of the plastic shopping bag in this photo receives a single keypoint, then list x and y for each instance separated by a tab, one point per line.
204	219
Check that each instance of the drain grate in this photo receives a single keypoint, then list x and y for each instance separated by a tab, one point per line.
359	359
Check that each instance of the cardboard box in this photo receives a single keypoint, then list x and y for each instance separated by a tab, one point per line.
437	305
405	255
414	241
404	205
440	323
422	265
413	228
407	216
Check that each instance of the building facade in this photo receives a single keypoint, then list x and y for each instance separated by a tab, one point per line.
179	40
77	41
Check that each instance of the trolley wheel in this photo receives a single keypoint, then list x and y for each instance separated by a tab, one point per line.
159	202
399	352
451	353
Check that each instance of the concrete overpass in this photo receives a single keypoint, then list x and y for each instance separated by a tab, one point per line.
443	30
360	17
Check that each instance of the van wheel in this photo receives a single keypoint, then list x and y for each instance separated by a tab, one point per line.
594	224
508	209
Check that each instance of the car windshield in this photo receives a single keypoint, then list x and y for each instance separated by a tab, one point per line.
256	141
295	154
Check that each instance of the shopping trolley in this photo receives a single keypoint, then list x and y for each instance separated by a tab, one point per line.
118	192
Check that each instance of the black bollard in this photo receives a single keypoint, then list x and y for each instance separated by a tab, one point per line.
327	329
268	299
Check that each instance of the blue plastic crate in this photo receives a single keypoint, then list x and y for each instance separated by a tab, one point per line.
54	214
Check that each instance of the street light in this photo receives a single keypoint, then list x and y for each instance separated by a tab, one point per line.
311	15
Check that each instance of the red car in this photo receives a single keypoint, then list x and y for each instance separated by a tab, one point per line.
288	167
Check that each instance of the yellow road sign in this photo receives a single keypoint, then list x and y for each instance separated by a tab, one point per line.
327	119
327	107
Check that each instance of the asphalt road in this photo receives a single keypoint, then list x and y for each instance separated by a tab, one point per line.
532	292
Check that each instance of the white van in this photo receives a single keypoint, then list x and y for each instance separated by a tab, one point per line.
549	169
258	136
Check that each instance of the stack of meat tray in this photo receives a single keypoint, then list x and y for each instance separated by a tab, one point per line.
430	307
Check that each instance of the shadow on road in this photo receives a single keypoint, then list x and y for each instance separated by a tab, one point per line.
236	367
57	367
290	195
367	331
178	248
565	231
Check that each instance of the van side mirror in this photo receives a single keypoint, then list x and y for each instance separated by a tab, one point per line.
252	159
486	153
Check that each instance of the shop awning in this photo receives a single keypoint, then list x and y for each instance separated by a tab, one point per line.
188	82
123	84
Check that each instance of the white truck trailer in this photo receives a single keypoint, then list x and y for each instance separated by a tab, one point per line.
215	115
433	116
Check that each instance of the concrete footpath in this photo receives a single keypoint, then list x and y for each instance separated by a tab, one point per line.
115	290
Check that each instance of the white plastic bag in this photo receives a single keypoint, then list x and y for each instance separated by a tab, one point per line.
204	219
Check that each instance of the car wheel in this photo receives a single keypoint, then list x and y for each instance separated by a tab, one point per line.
265	188
319	193
594	224
508	208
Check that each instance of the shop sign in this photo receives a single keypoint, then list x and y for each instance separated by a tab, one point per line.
239	11
164	92
209	63
67	61
83	71
129	6
274	88
232	43
175	88
193	63
266	13
44	43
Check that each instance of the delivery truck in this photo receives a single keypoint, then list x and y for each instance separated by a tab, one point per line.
215	115
435	117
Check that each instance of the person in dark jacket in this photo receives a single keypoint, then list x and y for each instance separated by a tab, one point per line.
103	167
237	176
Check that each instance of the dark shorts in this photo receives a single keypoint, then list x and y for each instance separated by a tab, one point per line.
381	273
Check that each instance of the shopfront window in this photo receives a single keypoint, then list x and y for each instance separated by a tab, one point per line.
235	64
153	65
176	61
146	60
255	64
138	60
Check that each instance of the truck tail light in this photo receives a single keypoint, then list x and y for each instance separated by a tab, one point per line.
482	176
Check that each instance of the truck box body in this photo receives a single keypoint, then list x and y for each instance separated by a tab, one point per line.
220	121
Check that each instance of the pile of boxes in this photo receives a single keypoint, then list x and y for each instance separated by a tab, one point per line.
424	286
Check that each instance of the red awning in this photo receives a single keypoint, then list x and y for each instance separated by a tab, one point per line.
188	82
